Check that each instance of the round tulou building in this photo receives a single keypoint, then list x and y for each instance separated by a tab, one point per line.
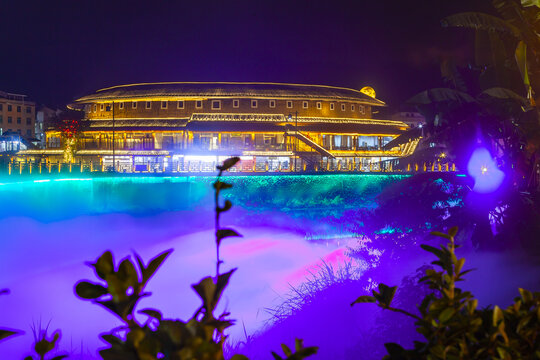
190	126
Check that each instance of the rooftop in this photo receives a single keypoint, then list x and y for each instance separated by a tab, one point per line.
202	90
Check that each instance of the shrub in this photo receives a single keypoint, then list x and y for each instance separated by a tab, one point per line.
201	337
451	323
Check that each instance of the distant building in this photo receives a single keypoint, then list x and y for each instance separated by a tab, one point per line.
44	117
17	115
411	118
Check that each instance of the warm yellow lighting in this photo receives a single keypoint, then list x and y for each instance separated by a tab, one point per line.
443	155
484	169
369	91
276	118
229	83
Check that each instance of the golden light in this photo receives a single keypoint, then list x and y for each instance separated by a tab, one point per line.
484	169
369	91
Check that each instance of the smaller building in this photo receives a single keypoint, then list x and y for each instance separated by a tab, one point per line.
17	115
44	117
412	118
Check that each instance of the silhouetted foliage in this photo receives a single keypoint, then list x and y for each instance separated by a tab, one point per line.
451	323
201	337
43	345
7	333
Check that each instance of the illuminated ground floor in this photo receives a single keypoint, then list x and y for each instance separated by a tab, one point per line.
163	162
201	145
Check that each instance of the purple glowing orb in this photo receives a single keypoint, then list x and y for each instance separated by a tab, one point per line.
483	169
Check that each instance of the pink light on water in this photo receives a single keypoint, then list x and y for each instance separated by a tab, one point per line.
47	259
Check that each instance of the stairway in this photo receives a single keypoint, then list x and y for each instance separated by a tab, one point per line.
306	140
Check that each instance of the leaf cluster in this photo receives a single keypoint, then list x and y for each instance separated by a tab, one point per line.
452	324
201	337
44	345
7	333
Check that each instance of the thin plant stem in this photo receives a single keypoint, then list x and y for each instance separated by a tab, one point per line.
218	261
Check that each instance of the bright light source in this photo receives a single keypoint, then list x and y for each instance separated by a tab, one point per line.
443	155
420	125
484	181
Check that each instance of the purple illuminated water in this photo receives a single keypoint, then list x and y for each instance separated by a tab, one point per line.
50	229
48	260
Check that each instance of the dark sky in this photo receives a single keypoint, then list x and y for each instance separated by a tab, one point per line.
57	50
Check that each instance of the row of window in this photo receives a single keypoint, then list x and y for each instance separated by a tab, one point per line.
216	105
19	120
19	108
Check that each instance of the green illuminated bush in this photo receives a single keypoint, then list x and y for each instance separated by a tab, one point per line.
451	323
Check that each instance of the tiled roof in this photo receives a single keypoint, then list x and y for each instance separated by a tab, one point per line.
228	89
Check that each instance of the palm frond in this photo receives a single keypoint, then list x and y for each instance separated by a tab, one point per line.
503	94
480	21
440	95
527	3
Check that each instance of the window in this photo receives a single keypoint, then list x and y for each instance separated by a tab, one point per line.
289	104
134	105
9	119
28	132
342	107
272	103
164	104
148	105
361	109
216	104
95	108
352	107
331	106
28	121
253	103
18	109
1	107
319	105
28	110
198	104
101	106
1	119
305	104
18	120
108	107
9	108
121	105
236	103
180	104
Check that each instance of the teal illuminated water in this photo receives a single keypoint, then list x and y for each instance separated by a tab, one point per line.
50	227
60	198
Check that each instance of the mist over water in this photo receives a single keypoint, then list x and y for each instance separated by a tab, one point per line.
292	227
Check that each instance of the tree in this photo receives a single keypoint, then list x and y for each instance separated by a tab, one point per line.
492	102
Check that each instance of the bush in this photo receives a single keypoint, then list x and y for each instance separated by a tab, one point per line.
451	323
201	337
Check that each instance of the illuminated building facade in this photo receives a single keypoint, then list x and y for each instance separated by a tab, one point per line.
191	126
17	115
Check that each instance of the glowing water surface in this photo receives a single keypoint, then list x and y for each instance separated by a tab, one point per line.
51	227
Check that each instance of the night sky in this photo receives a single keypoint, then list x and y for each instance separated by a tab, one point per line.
56	51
